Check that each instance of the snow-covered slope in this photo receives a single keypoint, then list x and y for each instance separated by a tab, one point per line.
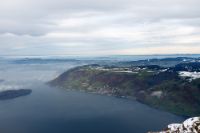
190	75
191	125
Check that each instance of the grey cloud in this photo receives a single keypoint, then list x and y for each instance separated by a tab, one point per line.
27	26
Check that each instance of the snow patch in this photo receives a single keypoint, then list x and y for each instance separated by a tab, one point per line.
191	125
157	94
126	71
191	75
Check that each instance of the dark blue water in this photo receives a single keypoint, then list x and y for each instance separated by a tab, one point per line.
53	110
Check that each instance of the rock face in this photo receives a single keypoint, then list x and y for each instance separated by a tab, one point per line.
191	125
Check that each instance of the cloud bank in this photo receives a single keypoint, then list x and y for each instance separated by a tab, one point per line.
99	27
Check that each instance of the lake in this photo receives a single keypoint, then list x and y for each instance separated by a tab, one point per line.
53	110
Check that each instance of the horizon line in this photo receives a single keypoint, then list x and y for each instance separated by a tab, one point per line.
110	55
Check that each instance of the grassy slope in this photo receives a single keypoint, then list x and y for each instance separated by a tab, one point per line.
178	96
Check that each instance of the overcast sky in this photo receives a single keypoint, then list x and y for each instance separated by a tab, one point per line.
99	27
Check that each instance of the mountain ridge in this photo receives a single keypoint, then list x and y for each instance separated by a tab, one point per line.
157	86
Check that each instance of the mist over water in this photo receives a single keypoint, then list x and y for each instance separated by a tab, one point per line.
16	75
53	110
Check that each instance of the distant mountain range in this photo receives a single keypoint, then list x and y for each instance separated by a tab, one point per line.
165	62
41	61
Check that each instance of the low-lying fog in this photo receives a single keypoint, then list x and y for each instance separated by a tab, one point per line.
23	75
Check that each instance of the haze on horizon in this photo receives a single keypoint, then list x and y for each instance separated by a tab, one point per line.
99	27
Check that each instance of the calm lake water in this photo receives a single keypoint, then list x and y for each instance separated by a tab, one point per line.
53	110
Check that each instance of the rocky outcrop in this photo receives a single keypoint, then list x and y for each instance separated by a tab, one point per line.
191	125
